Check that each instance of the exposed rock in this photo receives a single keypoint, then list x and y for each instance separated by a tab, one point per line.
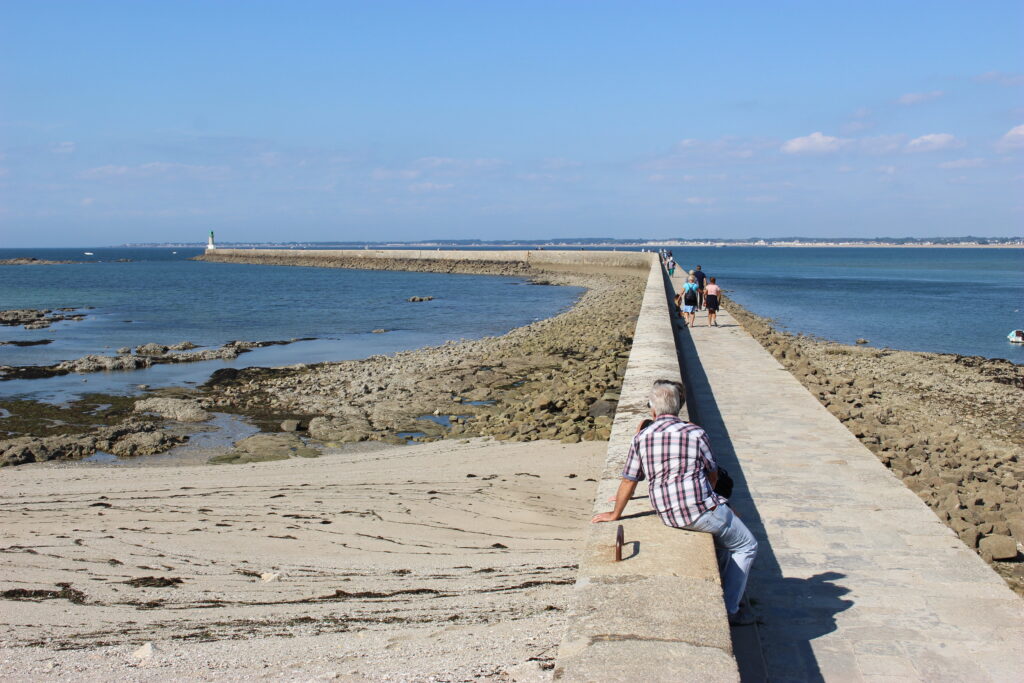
183	346
36	319
348	428
27	342
266	447
124	350
181	410
998	548
420	298
290	426
151	349
863	341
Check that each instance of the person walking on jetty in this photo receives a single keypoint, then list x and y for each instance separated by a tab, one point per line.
701	281
675	458
713	293
670	264
690	301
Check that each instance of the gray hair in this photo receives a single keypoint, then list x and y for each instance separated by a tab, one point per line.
667	397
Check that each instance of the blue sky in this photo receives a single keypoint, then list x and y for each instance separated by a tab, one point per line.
158	121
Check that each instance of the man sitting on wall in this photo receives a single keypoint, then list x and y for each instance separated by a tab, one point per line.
675	457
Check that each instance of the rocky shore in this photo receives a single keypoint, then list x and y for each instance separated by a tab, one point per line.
553	379
32	261
145	355
951	427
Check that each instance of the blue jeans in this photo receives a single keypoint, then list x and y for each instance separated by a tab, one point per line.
736	549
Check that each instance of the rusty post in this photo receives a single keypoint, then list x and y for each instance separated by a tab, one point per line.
619	534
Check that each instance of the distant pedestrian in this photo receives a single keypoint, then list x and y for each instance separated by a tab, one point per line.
701	282
690	300
713	294
671	265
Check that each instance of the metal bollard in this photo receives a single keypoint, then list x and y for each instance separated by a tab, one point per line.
619	534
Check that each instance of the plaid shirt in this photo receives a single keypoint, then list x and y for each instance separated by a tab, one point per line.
675	456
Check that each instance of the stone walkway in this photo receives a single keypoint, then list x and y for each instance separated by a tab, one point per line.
856	579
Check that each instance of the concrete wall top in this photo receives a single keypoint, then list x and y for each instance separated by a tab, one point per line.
658	615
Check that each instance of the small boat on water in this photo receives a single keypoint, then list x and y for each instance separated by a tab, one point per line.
1016	336
87	253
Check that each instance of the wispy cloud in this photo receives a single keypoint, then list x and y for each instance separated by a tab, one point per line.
815	143
963	163
700	201
63	148
154	169
919	97
934	142
1013	140
430	187
881	144
395	173
1000	78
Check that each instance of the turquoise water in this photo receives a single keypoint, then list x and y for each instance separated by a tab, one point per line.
162	297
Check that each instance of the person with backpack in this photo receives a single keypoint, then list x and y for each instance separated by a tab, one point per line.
690	290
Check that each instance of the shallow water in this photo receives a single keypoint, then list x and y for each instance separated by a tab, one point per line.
162	297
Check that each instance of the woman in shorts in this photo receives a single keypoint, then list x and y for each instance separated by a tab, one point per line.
711	294
690	300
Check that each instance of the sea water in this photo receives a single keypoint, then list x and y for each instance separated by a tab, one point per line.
162	296
946	300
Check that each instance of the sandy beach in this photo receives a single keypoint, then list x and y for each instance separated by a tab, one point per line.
452	559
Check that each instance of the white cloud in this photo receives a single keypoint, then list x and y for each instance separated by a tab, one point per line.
933	142
1000	77
963	163
63	148
815	143
887	170
154	169
87	201
919	97
1013	140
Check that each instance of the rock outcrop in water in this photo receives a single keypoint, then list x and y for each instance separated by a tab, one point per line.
126	440
37	319
178	409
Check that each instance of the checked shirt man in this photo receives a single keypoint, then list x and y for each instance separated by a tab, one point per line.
675	458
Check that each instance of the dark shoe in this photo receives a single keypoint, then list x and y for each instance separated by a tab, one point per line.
742	617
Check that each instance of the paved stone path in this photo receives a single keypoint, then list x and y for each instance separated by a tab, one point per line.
856	579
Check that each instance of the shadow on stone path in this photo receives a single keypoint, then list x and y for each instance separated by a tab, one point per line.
804	608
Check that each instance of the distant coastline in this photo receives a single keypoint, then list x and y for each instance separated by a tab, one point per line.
607	243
